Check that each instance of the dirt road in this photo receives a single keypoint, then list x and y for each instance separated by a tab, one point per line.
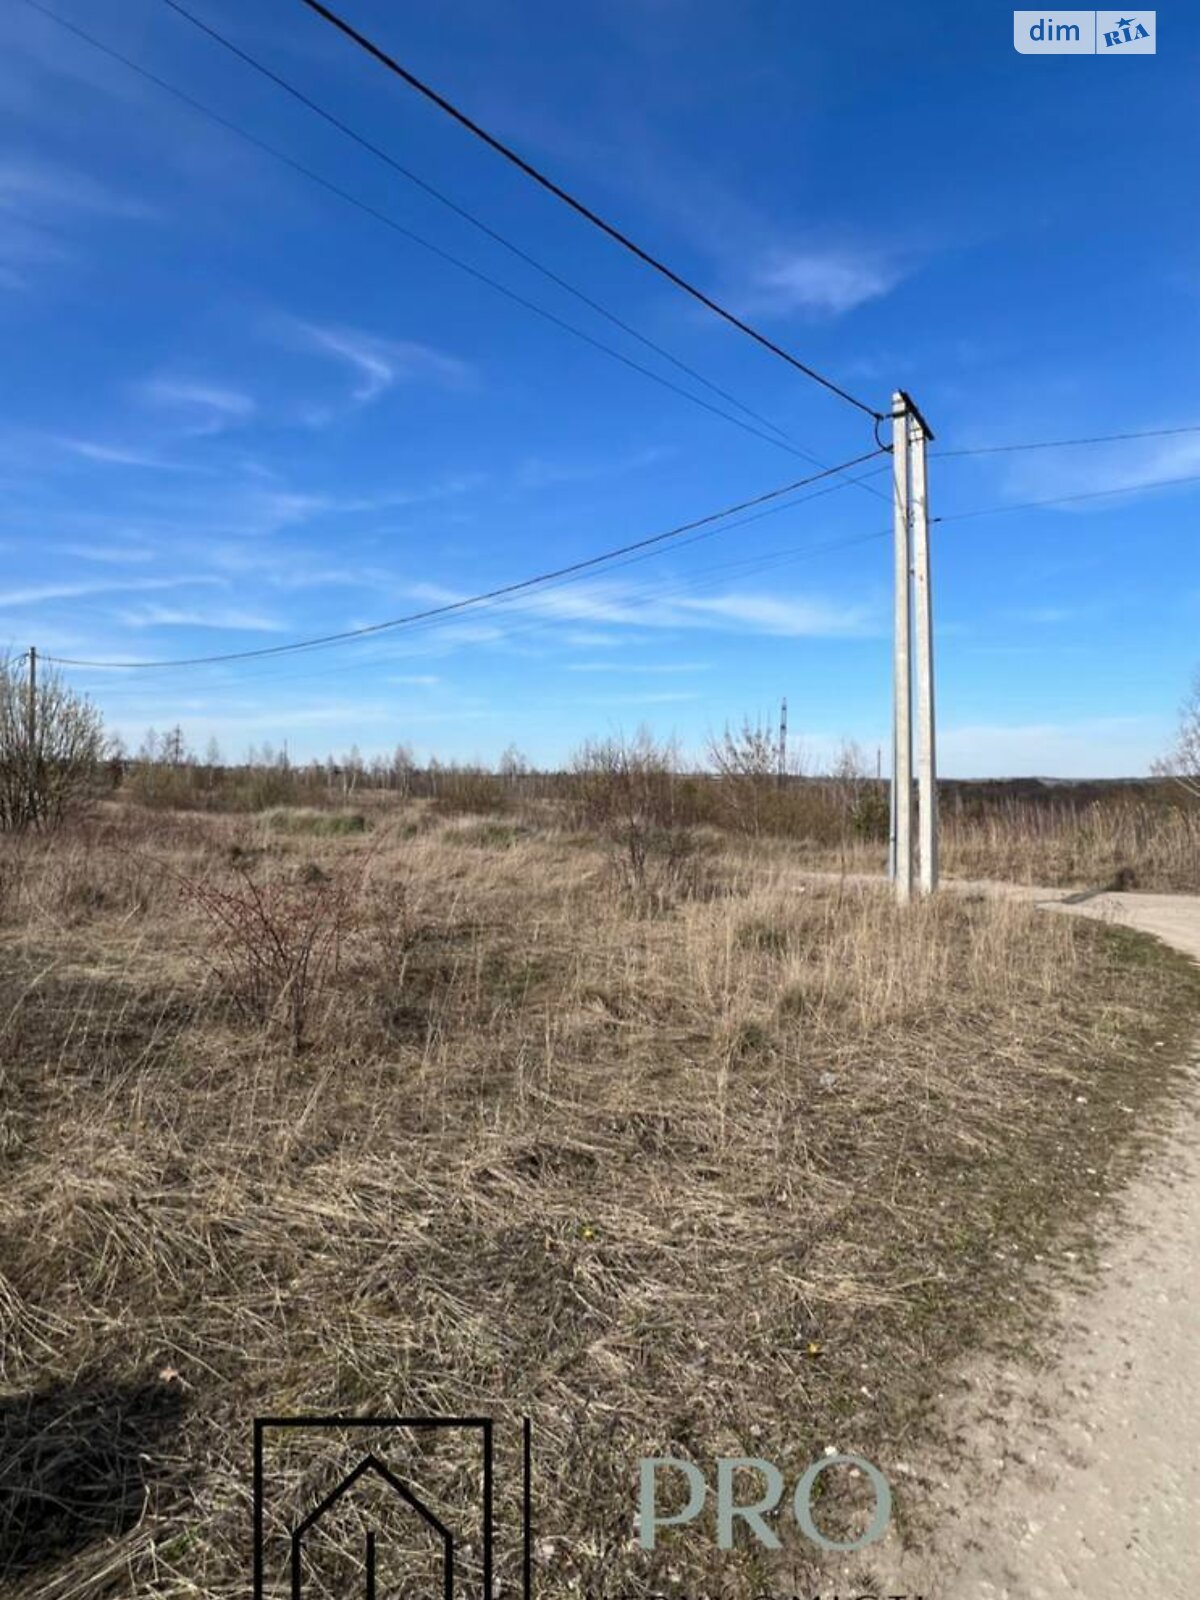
1084	1480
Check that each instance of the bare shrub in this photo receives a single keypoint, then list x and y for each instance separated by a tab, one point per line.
275	944
746	763
48	759
161	785
860	803
470	789
626	790
757	794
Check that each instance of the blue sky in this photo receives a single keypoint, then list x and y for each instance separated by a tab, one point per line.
239	411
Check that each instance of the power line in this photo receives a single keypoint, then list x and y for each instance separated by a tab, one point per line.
747	565
478	599
1062	444
436	612
492	233
647	593
578	206
1068	499
414	238
462	211
766	560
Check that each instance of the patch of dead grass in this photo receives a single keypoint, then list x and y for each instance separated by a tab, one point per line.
744	1176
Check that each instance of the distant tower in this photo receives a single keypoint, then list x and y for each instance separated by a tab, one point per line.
783	742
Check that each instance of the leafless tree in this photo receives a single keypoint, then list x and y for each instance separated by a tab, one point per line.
1183	761
513	764
403	767
46	767
746	762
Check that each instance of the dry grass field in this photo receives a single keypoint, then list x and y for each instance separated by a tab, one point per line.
463	1115
1121	843
1127	843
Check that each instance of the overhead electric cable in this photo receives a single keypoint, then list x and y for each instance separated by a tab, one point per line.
459	210
1063	444
367	209
462	211
644	594
576	205
612	556
1068	499
764	560
347	634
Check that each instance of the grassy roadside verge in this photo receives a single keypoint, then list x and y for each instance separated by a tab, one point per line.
740	1172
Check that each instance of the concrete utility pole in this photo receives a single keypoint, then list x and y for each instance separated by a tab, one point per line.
901	831
782	775
927	797
910	432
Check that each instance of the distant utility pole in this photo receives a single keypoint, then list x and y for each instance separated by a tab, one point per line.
910	433
782	775
31	706
31	729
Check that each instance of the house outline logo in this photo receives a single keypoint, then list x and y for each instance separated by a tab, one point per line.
370	1464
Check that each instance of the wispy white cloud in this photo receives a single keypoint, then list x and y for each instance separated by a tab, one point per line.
119	455
117	555
797	615
39	201
821	282
656	668
252	510
30	184
231	618
40	593
535	472
301	570
590	639
201	408
619	604
378	363
1131	466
